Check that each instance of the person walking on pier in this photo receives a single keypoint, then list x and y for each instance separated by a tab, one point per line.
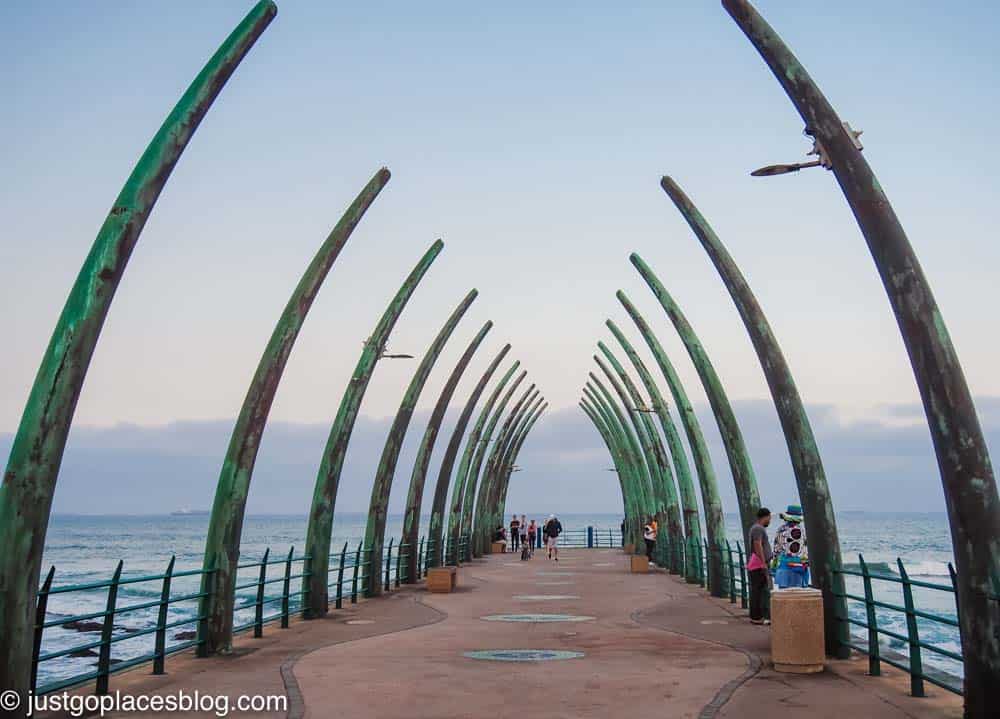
552	530
515	533
791	558
532	534
524	530
649	536
759	568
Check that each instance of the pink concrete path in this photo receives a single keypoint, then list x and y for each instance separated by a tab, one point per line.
652	646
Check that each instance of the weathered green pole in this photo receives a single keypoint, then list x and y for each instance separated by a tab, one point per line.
963	458
688	496
673	528
320	527
613	451
645	479
480	512
378	507
435	533
664	490
415	494
814	494
710	500
645	446
222	545
463	491
729	428
472	482
513	454
493	510
635	477
33	467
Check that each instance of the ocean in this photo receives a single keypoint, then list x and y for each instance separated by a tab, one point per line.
87	548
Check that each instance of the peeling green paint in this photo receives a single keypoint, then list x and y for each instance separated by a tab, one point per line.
415	494
378	507
320	527
222	545
36	454
973	508
464	492
435	532
729	428
810	477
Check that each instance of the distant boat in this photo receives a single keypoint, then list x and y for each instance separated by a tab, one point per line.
186	512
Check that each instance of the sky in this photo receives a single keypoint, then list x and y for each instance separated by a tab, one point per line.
531	139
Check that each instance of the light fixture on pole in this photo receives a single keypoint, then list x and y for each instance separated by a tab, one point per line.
817	149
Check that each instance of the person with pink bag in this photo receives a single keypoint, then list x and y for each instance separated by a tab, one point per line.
758	567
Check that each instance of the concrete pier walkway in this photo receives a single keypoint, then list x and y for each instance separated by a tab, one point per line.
637	645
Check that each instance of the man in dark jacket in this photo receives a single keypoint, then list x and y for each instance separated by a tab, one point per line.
552	530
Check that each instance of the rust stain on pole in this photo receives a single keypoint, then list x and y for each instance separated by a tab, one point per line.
36	454
814	493
970	488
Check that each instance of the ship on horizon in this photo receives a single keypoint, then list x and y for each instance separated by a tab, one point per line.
188	512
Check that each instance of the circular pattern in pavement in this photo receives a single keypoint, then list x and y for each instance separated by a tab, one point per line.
555	584
555	574
523	655
360	621
536	618
543	597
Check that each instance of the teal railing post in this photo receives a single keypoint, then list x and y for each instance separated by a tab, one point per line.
732	573
388	560
399	558
916	663
286	587
874	665
208	587
357	568
258	609
160	642
340	578
743	576
43	601
590	537
104	657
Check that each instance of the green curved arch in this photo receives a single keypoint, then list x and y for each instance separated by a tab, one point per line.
472	482
515	450
462	491
486	515
480	533
320	527
379	505
222	545
729	428
36	454
710	500
435	532
666	491
415	494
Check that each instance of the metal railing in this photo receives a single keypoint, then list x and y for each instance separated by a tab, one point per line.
255	582
874	628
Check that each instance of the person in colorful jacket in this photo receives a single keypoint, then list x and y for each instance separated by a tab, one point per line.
791	556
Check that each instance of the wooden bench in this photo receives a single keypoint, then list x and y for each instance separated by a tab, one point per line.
442	580
498	547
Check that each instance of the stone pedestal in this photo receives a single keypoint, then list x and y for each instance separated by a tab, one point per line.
442	579
629	549
797	630
498	547
638	564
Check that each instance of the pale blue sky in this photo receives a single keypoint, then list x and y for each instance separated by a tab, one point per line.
531	139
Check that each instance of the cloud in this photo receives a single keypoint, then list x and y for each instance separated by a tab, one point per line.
880	463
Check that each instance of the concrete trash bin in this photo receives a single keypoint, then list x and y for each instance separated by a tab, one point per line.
797	630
